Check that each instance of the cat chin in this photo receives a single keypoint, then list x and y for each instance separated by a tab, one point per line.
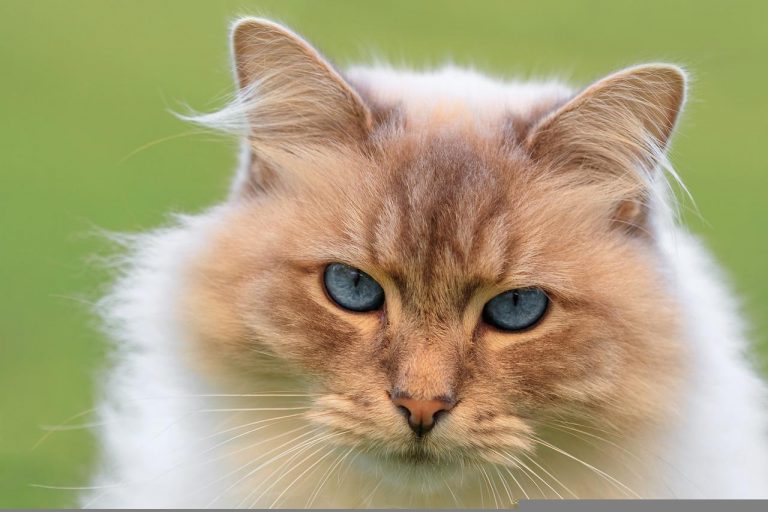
419	471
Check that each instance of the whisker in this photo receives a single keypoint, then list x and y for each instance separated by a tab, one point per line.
522	489
108	487
74	487
284	468
523	467
269	423
64	423
453	495
482	496
255	409
318	461
342	474
275	394
550	475
591	442
96	498
532	472
490	485
495	489
250	424
307	445
504	483
339	461
369	498
66	428
584	425
629	453
210	504
566	425
587	465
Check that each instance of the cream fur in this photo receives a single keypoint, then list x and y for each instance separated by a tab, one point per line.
157	442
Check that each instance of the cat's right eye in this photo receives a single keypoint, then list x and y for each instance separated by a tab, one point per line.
352	289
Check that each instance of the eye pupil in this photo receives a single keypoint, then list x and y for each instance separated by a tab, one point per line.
352	289
516	310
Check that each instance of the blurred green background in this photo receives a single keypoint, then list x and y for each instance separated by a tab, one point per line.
87	141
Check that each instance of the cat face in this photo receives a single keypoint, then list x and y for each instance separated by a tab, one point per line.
441	217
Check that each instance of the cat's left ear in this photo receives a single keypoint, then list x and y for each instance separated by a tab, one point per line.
617	129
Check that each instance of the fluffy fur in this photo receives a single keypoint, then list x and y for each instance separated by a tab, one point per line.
237	382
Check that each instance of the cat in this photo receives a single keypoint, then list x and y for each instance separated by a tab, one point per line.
429	289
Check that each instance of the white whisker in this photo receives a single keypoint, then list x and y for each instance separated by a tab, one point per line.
64	423
504	484
605	475
532	472
269	423
550	475
290	485
284	468
255	409
522	467
210	504
453	495
512	475
490	485
320	485
300	449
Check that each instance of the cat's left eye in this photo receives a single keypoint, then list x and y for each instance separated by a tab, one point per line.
516	310
352	289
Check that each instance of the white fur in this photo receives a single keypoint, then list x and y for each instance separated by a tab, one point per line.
153	423
486	98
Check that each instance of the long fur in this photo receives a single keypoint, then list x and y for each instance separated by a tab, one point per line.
218	399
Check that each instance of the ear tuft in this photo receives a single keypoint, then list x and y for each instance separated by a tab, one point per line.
630	115
292	96
615	132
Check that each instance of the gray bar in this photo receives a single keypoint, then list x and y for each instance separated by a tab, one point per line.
643	505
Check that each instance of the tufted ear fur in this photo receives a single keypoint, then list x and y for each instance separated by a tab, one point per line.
293	99
617	130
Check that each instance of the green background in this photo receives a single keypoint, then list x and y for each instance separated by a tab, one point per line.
87	142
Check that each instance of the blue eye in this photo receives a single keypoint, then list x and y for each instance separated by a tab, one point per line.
352	288
516	310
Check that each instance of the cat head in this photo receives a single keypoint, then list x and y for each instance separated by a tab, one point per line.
444	278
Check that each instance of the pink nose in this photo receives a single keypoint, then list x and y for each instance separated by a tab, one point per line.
421	414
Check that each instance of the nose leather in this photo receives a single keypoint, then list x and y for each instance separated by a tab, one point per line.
422	414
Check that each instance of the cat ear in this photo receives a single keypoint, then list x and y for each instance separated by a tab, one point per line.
292	96
618	128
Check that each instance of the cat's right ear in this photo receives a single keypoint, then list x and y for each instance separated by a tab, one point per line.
292	96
